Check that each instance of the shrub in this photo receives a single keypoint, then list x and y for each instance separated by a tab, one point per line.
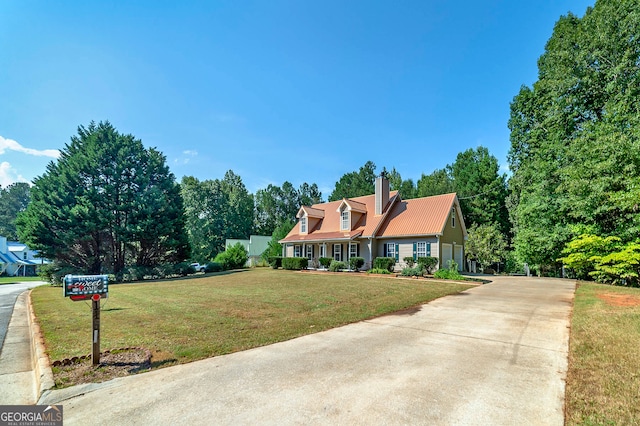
275	262
337	266
428	263
451	273
234	257
356	263
295	263
378	271
183	269
409	261
489	271
53	273
387	263
412	272
325	261
213	267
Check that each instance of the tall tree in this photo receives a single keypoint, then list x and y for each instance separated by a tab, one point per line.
438	182
406	188
239	215
107	202
575	134
13	200
356	184
482	190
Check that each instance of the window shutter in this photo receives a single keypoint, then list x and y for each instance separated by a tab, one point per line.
429	249
384	251
397	253
415	251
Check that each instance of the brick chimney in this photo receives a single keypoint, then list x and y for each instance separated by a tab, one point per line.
382	193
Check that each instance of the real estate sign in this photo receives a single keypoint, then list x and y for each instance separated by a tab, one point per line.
82	287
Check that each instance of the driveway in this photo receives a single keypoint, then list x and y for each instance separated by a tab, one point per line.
495	354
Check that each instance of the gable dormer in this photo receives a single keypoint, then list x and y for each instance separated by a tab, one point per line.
309	218
350	213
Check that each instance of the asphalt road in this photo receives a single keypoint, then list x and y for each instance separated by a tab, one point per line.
495	354
8	295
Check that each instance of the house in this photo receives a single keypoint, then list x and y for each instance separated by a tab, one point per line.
16	259
381	224
255	246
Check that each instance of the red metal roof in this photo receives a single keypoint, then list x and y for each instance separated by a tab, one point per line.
418	216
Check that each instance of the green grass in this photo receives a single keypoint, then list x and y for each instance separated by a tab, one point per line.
185	320
13	280
603	382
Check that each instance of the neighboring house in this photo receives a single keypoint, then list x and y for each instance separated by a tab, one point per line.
255	246
16	259
380	224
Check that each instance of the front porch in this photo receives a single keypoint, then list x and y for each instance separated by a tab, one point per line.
340	250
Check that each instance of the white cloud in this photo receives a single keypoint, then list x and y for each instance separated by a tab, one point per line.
8	175
190	152
10	144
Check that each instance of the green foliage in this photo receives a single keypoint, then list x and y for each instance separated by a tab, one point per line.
409	261
13	200
583	253
295	263
53	273
337	266
325	261
486	244
275	262
275	206
105	204
451	273
621	267
213	267
378	271
428	263
437	183
387	263
234	257
216	210
356	184
406	188
356	263
413	272
574	134
274	248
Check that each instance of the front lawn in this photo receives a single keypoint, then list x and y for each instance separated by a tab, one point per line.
603	382
184	320
13	280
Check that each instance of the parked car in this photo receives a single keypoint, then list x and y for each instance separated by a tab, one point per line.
198	267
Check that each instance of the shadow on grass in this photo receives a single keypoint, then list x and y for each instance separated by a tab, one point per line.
158	364
195	276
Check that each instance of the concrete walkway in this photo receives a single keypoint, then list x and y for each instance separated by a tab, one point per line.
495	354
17	377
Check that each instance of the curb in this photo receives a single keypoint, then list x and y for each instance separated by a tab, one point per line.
39	359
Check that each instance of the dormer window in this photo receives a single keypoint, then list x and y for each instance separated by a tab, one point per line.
344	222
303	225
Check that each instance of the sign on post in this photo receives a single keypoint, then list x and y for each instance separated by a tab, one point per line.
89	287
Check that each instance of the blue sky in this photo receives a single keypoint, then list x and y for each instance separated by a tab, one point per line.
273	90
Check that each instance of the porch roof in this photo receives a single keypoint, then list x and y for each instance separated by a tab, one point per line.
320	237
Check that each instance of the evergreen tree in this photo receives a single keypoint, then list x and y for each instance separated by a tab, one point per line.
106	203
13	200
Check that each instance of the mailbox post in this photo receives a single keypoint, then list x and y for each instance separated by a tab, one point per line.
89	287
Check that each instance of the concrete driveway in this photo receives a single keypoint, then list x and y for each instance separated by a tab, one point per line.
495	354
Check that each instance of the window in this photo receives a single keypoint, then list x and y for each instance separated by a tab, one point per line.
24	255
309	252
344	223
421	249
303	225
353	250
391	250
322	251
296	251
453	218
337	251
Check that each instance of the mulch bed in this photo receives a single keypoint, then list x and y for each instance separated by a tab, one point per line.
113	363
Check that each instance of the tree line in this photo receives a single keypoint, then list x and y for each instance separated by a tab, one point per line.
108	203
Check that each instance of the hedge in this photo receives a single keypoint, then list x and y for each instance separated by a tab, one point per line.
337	266
387	263
275	262
295	263
356	263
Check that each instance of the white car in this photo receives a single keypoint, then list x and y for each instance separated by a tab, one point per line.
198	267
